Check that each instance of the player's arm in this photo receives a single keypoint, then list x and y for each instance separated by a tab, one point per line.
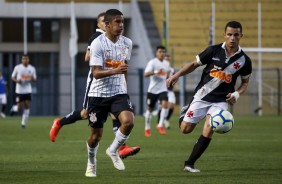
183	71
233	97
14	77
98	73
87	55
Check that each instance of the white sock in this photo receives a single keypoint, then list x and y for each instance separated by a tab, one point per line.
119	140
25	116
148	118
15	108
92	152
163	114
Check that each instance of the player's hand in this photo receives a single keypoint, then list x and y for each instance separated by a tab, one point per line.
121	69
171	81
232	98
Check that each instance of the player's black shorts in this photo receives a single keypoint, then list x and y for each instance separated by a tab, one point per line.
99	107
153	98
23	97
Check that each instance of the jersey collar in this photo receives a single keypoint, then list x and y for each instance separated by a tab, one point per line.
238	51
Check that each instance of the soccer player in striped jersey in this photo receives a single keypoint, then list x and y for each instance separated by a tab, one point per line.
23	75
77	115
224	63
109	54
157	69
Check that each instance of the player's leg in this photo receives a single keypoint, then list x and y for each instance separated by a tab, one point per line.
164	104
92	147
199	148
3	100
122	109
68	119
26	109
199	109
97	117
151	101
124	150
171	103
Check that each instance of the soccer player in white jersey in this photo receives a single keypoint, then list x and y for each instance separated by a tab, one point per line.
170	95
224	62
82	114
109	54
23	75
157	69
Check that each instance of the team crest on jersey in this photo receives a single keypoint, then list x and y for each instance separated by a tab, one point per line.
236	65
190	114
92	117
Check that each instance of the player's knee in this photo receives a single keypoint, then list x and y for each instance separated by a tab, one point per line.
185	128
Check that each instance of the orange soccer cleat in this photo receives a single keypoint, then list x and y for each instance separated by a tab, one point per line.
148	133
125	151
55	129
161	130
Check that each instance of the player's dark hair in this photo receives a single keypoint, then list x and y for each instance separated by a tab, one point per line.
234	24
160	47
101	15
25	55
110	14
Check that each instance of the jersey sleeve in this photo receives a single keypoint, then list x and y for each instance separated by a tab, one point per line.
149	67
15	72
34	73
129	50
205	56
96	54
247	69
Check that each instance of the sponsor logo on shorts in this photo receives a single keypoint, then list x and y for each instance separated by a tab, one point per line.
92	117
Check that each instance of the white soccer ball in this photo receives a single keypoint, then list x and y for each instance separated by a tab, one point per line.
221	121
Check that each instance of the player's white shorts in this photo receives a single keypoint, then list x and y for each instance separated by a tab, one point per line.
198	110
171	96
3	99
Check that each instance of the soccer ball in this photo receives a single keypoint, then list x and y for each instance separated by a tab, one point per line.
221	121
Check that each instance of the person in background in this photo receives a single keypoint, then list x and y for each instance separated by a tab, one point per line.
157	69
23	75
170	94
3	95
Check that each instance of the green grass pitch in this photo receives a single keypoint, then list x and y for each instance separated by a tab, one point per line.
250	153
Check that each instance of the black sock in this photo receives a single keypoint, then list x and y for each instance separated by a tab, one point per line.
170	111
116	125
3	108
71	118
199	148
159	115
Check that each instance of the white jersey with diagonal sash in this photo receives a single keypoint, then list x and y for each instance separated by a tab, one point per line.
221	72
109	55
24	74
158	81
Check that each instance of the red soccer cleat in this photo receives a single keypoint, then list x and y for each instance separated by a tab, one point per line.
161	130
148	133
125	151
55	129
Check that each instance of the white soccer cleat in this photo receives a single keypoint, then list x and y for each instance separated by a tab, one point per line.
2	115
191	169
91	170
116	160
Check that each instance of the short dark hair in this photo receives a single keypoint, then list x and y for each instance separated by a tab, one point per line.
234	24
101	15
110	14
160	47
25	55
